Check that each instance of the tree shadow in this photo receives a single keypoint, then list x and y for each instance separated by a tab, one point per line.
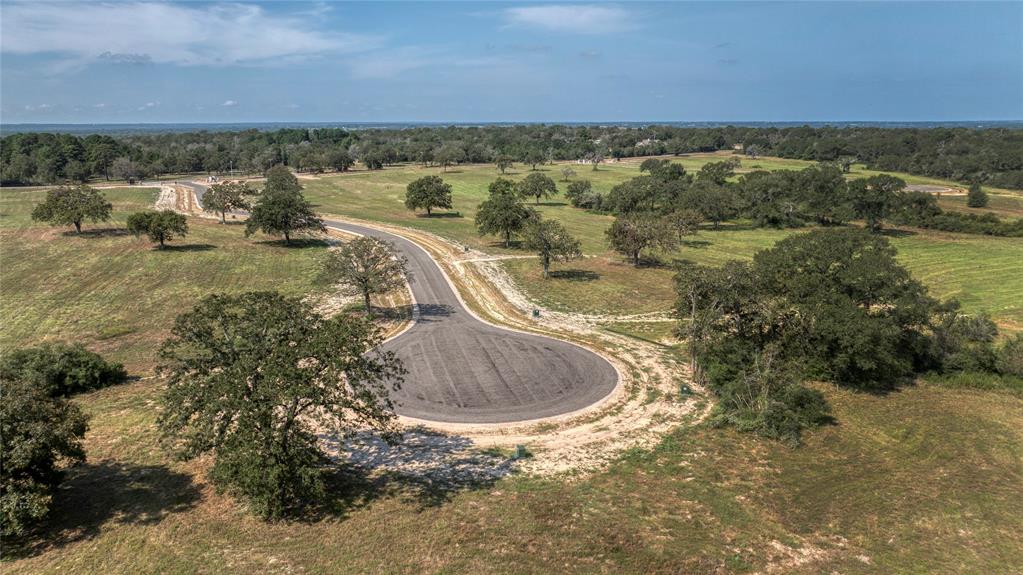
97	495
512	245
698	244
186	248
432	312
550	204
96	233
897	233
575	275
440	215
426	466
296	244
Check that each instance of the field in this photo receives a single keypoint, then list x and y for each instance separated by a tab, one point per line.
117	294
974	269
923	480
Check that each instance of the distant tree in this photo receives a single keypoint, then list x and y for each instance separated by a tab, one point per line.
551	241
872	199
715	203
536	186
578	191
72	205
373	158
226	197
652	165
254	379
595	158
685	221
717	172
502	213
824	193
504	162
976	197
449	155
40	435
428	192
161	226
282	209
533	157
124	168
1010	356
567	173
366	266
631	234
61	369
339	159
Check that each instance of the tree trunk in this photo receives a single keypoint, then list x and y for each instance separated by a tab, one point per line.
428	211
287	238
161	242
546	267
538	200
223	217
78	226
507	239
635	257
365	301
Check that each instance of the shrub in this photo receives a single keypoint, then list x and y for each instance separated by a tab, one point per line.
62	369
39	433
1010	357
976	197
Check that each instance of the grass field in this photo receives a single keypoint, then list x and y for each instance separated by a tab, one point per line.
981	271
926	480
923	480
115	293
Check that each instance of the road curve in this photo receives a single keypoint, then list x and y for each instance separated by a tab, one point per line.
463	370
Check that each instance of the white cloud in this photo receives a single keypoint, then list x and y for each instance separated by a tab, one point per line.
575	18
136	32
229	103
148	106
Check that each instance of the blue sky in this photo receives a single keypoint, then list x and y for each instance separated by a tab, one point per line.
466	62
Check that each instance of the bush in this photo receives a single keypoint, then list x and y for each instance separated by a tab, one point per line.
62	369
976	197
1010	357
39	433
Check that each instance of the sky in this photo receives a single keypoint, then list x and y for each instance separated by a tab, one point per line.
117	62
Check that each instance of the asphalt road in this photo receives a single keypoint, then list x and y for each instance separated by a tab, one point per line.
462	370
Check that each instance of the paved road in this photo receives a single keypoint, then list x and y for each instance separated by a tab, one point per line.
463	370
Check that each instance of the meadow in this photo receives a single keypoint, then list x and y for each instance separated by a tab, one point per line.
922	480
977	270
116	293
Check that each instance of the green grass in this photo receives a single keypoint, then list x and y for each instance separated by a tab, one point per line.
982	272
115	293
925	480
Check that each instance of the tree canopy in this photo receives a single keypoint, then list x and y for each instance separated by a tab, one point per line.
366	266
502	213
427	193
71	205
282	210
226	197
40	433
161	226
551	241
537	185
633	234
254	378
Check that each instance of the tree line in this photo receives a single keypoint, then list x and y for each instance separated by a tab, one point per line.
992	157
